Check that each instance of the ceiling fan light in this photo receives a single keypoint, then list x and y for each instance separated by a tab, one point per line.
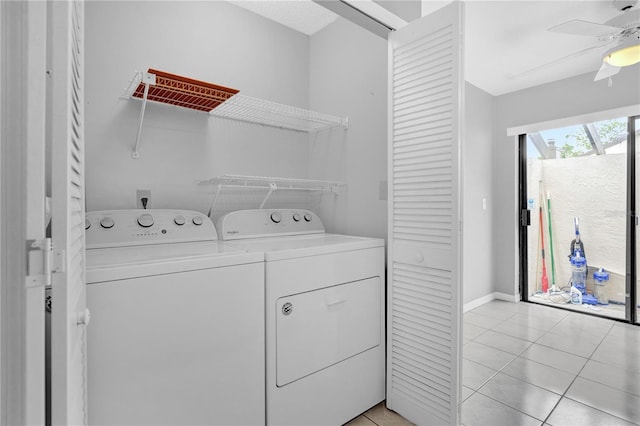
623	56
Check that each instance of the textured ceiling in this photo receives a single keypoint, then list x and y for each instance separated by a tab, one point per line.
507	45
304	16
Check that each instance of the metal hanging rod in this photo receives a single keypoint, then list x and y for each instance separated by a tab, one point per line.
280	182
271	184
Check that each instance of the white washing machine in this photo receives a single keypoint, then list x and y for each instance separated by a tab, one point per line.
176	335
325	343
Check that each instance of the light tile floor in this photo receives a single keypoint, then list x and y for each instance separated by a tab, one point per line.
527	364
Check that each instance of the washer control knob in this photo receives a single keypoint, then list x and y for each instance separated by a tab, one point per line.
87	224
307	217
297	217
179	220
197	220
276	217
145	220
107	222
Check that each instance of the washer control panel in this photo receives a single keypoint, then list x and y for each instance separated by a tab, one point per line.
119	228
268	223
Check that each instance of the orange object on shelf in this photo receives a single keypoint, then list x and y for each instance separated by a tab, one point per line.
185	92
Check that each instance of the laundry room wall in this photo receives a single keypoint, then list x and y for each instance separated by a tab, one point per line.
348	77
565	98
211	41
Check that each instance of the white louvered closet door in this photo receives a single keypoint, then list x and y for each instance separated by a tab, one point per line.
424	282
68	312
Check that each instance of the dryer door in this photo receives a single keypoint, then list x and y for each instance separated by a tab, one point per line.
319	328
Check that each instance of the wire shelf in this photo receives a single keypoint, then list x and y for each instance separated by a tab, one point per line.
258	111
271	185
225	102
181	91
279	182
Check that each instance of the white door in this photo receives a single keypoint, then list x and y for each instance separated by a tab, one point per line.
424	283
22	263
68	312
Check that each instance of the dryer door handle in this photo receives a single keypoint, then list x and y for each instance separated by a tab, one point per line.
335	302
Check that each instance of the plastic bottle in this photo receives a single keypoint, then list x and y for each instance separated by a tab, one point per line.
576	296
579	272
601	277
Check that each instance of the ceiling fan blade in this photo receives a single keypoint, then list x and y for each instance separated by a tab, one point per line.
557	61
605	71
584	28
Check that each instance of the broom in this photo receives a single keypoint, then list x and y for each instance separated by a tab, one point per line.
545	280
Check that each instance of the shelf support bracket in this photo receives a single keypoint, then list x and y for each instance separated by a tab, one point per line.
147	79
272	187
215	198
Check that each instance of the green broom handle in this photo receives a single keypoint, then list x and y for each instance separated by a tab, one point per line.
553	268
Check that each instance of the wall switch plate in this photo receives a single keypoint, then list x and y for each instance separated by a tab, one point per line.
140	194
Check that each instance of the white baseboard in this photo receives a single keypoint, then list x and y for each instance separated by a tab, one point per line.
488	298
507	297
478	302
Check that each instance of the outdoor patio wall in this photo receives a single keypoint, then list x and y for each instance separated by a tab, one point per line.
593	189
561	99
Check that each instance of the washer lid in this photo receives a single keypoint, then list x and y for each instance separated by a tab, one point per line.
280	248
108	264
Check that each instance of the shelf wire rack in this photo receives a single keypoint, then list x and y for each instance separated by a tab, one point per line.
224	102
259	111
271	185
180	91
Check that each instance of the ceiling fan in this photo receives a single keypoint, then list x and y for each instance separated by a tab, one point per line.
620	36
615	35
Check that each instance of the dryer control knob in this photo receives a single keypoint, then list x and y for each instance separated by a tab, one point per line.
87	224
297	217
179	220
307	217
107	222
276	217
197	220
145	220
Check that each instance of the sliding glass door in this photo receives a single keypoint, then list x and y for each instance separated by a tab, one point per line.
634	148
575	201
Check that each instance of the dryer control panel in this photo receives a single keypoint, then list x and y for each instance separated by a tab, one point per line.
268	223
120	228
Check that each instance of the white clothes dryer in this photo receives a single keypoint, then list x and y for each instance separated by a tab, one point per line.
177	322
325	309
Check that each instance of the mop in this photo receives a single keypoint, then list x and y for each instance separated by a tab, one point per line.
553	267
555	296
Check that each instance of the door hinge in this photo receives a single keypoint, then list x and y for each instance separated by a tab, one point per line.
38	263
42	262
525	217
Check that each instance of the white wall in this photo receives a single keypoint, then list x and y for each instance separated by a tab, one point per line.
477	229
210	41
349	78
566	98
